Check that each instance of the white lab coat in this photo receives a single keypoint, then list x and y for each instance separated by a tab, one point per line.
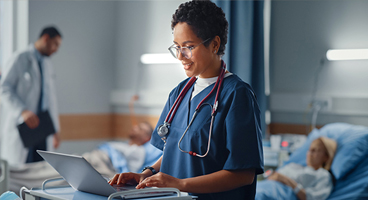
20	89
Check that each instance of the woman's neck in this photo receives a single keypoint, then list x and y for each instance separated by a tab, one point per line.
215	70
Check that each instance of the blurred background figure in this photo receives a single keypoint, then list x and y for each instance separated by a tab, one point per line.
140	134
27	89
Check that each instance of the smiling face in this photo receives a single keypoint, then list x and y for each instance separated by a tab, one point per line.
317	154
204	62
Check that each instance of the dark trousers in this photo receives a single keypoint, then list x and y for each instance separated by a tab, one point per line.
33	156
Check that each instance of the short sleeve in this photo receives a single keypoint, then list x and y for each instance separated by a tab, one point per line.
243	132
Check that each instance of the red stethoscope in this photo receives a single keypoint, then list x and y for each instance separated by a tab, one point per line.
163	129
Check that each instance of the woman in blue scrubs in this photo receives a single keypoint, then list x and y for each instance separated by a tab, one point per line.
217	163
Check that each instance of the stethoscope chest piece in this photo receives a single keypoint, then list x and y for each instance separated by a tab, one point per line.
163	129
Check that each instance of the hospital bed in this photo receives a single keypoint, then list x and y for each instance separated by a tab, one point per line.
350	165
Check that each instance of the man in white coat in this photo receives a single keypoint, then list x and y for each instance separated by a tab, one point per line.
27	88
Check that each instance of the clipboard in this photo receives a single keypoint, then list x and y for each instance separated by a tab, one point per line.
32	137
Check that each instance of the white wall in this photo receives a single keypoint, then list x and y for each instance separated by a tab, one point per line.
301	33
85	62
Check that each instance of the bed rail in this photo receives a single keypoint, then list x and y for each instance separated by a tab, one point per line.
4	173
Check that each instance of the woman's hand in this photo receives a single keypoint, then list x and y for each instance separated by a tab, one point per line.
283	179
127	178
277	177
289	182
161	180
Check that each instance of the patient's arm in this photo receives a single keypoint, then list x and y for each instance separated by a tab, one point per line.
289	182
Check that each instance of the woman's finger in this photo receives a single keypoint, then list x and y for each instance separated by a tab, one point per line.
143	183
152	182
113	180
125	178
120	179
141	186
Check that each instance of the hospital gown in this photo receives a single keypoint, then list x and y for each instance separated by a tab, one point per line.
236	141
316	183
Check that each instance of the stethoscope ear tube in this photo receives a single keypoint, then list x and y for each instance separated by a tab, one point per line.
209	136
186	130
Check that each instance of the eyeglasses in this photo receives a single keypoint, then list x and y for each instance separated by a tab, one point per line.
185	51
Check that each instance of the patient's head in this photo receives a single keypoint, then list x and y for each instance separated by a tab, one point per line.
321	153
140	134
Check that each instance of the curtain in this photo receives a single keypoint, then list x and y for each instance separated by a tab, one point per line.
244	53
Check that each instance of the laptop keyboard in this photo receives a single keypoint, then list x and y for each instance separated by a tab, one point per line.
141	194
123	188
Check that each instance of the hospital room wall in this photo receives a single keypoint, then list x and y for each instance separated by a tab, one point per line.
301	33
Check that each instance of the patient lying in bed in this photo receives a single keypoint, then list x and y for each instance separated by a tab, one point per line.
309	182
110	158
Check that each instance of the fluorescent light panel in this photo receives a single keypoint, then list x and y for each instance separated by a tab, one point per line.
347	54
159	58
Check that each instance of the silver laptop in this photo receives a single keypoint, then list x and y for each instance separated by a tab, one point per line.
79	173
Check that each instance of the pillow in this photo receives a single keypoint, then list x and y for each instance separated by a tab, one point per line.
352	143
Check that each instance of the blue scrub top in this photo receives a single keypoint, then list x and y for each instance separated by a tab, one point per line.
236	141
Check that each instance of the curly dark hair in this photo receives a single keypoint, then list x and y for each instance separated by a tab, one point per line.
206	20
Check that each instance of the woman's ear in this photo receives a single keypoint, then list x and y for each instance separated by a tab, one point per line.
216	43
